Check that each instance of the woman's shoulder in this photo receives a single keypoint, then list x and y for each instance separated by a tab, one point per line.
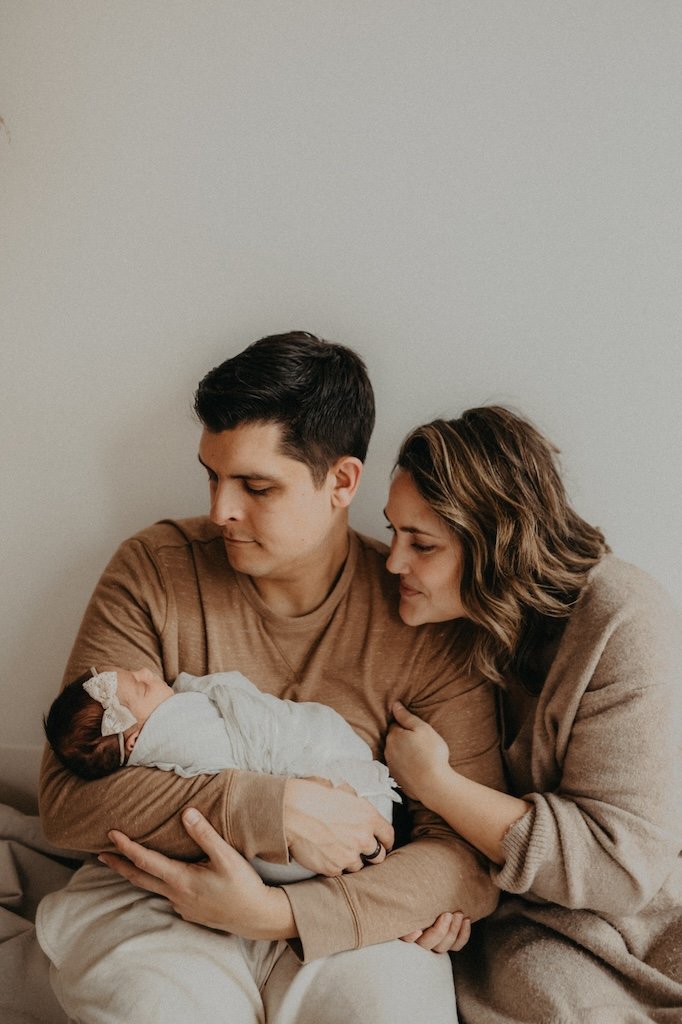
622	641
624	611
617	587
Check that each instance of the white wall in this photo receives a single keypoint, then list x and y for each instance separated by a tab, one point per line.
482	197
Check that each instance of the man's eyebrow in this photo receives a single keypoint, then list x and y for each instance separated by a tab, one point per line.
412	529
239	476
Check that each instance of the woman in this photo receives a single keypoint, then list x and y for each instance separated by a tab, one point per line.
583	650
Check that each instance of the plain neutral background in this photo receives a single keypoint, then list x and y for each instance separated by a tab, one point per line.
483	198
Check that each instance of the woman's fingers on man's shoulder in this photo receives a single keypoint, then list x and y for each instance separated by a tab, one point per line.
404	717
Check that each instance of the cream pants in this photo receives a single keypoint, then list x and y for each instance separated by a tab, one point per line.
121	956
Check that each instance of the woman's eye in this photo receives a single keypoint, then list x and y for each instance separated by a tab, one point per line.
260	491
423	548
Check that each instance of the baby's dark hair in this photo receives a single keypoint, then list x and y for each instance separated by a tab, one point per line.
73	727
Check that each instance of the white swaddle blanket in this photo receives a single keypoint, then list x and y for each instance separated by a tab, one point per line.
224	721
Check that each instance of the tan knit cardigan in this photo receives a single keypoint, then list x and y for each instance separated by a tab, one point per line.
591	928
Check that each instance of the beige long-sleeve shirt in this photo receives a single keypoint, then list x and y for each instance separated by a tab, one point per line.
169	600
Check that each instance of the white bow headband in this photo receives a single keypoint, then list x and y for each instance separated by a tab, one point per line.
116	718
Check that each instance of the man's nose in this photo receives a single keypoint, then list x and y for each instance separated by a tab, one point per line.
225	506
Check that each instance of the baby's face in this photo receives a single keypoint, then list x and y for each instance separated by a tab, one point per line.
141	691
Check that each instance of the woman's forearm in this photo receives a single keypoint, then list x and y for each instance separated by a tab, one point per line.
479	814
418	759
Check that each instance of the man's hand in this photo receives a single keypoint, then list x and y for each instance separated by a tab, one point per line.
222	892
328	828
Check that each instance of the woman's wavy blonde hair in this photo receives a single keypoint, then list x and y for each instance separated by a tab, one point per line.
494	479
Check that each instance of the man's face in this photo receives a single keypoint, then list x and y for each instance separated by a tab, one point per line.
275	523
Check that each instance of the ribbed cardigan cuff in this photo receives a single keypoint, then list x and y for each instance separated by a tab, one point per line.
325	919
525	847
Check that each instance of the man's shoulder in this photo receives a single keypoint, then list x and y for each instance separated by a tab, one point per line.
373	545
372	550
176	533
370	566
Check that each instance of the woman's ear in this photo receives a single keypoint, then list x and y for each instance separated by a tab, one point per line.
131	738
346	475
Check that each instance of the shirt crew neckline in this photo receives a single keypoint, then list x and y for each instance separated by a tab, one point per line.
319	615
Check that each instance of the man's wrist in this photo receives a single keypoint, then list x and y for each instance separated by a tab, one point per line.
288	797
258	834
296	791
278	918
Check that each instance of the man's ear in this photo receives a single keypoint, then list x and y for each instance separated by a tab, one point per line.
131	738
345	476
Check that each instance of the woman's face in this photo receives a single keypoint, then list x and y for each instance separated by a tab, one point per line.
426	555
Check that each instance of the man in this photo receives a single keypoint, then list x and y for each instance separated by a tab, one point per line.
275	585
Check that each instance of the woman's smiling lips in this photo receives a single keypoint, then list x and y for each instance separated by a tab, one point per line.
406	591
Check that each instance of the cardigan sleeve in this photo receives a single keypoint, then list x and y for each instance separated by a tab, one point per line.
606	837
124	624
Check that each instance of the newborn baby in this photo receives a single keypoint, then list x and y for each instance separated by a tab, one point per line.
107	720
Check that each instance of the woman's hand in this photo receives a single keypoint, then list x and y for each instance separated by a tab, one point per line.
418	761
448	934
416	755
222	892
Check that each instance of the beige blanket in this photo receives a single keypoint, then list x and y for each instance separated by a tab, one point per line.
29	868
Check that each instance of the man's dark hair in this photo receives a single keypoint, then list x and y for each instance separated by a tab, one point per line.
318	392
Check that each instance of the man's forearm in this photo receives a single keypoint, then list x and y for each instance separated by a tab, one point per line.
145	803
222	891
404	893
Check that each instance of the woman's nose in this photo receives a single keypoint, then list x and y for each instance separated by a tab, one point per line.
395	562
